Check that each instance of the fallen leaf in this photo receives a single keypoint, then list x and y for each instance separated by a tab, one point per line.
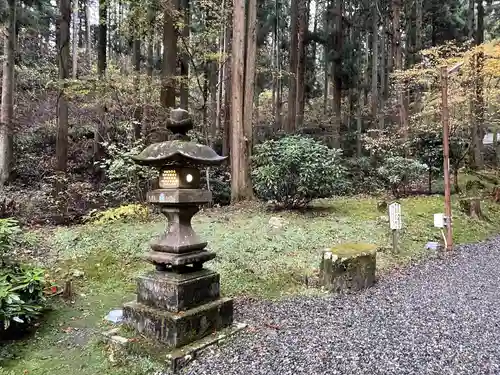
269	325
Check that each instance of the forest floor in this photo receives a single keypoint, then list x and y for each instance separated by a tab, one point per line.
260	254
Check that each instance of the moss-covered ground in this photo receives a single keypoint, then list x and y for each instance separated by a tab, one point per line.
255	258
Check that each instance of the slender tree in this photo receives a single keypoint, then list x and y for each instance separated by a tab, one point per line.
478	118
250	69
7	107
241	188
185	56
88	39
375	57
101	72
167	95
338	36
292	74
301	61
74	69
62	102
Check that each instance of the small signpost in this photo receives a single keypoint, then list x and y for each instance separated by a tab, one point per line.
396	224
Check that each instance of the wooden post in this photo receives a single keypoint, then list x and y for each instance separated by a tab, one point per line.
395	241
446	156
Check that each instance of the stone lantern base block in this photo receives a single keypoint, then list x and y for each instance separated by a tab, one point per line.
176	292
348	267
178	329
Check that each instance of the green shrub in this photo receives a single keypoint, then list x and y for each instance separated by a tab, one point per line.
219	184
9	229
21	287
398	173
126	180
363	176
21	294
292	171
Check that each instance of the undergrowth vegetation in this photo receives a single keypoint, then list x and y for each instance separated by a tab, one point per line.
22	286
259	254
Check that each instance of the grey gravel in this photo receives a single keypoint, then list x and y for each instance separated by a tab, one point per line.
439	317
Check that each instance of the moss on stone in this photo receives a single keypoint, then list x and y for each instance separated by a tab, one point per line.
352	249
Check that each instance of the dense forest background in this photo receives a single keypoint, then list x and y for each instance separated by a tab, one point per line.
86	85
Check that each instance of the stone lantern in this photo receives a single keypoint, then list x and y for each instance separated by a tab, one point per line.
178	302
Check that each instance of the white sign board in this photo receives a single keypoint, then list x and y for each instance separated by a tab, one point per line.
439	220
395	216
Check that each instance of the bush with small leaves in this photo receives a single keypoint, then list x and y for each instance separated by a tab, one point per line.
363	176
398	173
219	183
292	171
126	181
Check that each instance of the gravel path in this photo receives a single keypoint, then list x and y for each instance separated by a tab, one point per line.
439	317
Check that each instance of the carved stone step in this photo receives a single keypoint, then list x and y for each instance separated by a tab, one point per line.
178	329
177	292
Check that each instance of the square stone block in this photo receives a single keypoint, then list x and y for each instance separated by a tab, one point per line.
348	267
177	292
178	329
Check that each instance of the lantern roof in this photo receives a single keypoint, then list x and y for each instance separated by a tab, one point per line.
178	152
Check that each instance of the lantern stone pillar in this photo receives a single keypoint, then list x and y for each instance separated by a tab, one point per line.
179	301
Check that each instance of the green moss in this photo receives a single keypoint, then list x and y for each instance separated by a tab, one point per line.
350	249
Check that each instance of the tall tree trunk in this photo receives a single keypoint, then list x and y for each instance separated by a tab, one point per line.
274	43
471	20
137	74
418	24
7	106
471	27
167	95
75	40
383	77
337	73
389	55
240	163
150	45
292	75
478	123
398	64
314	48
101	72
301	61
326	51
88	38
250	69
62	104
214	131
146	118
359	121
184	89
279	81
226	141
220	79
374	101
204	95
418	48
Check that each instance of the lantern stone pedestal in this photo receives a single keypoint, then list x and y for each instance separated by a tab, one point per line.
177	309
180	301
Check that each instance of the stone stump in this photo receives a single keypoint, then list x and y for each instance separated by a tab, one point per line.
348	267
